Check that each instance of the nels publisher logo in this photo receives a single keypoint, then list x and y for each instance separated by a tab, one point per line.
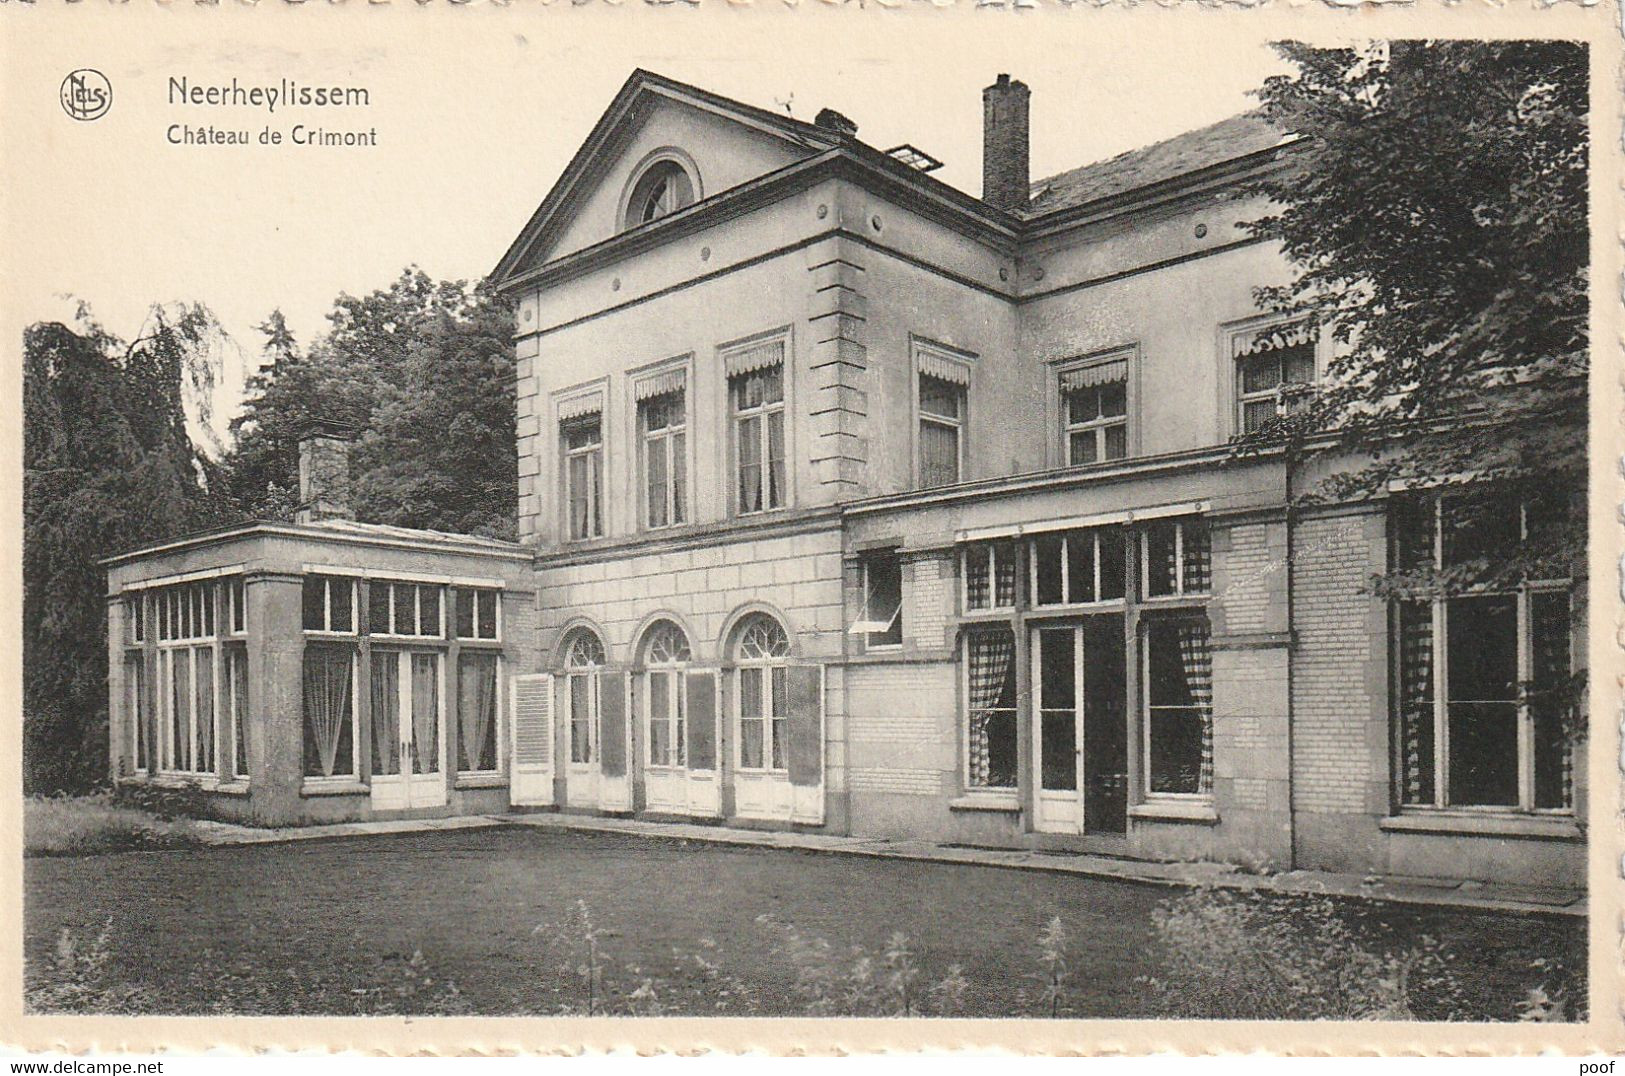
86	94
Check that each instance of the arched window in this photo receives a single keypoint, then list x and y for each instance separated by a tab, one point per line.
663	189
665	652
583	649
583	654
762	651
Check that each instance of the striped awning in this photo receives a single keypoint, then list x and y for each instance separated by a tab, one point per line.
1101	373
662	383
1274	338
755	357
590	403
943	368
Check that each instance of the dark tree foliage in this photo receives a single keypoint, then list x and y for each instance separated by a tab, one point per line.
1435	211
107	467
423	368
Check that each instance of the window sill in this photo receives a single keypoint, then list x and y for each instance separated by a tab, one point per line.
985	802
1462	824
481	780
336	788
1196	813
232	788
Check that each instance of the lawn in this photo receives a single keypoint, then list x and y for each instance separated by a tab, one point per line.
390	923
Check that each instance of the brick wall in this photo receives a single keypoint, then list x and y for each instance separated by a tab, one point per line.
901	727
926	596
1337	668
800	575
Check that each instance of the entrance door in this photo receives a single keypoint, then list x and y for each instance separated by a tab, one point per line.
408	730
1057	746
581	698
1080	728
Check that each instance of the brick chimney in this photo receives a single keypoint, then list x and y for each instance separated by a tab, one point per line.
831	120
324	471
1004	144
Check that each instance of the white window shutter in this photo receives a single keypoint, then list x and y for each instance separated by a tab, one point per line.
530	784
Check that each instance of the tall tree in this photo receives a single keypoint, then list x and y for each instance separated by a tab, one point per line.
441	451
108	466
1435	212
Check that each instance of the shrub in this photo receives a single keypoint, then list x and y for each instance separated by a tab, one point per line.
1226	955
82	825
78	979
168	802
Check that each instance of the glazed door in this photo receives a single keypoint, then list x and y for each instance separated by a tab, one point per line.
580	691
408	716
1080	727
1058	692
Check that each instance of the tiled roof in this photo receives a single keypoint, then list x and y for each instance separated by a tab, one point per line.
1224	141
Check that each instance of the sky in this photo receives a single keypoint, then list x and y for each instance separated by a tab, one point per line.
474	121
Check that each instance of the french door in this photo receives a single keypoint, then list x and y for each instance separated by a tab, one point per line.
1079	729
581	697
408	713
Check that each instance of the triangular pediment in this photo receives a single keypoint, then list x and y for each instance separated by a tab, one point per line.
723	142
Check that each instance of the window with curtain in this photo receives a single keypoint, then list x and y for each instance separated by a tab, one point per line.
762	651
942	422
135	706
329	712
1176	557
1094	411
990	715
237	708
583	656
663	423
990	574
1486	684
758	407
665	654
477	727
189	722
1275	373
1179	706
583	475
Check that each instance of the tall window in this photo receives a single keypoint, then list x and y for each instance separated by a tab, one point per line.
990	716
330	739
1179	706
764	694
663	422
135	705
758	406
1484	678
1275	373
1094	406
477	700
189	732
583	475
583	656
990	576
882	624
665	703
942	422
236	704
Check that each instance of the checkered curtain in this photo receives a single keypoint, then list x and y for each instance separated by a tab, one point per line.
990	664
1416	700
1197	659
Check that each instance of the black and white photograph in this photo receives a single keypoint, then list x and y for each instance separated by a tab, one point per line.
1043	517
